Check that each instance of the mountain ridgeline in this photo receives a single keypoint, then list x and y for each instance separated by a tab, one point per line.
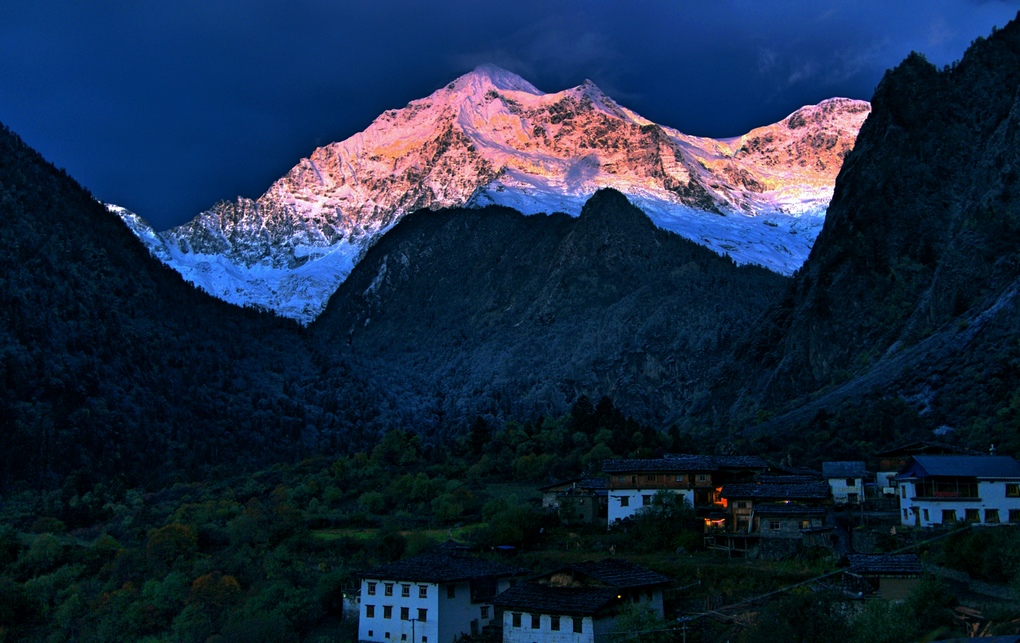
911	288
499	313
904	317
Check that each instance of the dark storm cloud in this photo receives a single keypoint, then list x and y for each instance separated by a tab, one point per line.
167	107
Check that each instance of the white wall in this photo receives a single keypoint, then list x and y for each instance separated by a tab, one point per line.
545	634
397	628
635	501
991	495
841	490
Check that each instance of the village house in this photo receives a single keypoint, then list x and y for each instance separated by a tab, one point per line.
698	478
578	500
891	462
431	598
846	481
773	517
578	603
946	489
888	576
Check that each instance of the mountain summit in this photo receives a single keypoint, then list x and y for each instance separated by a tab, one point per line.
490	137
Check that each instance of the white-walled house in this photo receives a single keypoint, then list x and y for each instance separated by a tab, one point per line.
846	481
698	478
431	598
578	603
946	489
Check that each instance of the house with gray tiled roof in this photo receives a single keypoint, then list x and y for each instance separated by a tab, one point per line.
578	500
846	481
578	603
698	478
946	489
890	576
435	597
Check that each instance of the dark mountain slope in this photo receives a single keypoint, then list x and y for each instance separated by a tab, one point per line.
919	242
110	363
494	312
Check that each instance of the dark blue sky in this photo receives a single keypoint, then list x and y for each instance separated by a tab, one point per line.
168	107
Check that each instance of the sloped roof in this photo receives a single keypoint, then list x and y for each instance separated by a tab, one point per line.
961	466
620	573
817	490
442	567
880	564
846	469
572	601
933	448
791	509
685	462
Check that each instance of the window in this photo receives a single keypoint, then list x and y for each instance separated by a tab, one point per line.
403	637
679	478
805	524
1013	490
371	589
422	614
903	491
451	591
852	497
516	620
773	525
702	477
536	621
948	516
485	611
646	500
578	625
624	501
370	611
633	479
387	635
850	482
389	589
973	515
387	611
992	516
1014	516
423	591
650	477
405	614
554	623
405	591
371	633
925	512
741	504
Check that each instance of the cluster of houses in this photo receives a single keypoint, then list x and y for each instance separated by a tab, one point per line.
744	505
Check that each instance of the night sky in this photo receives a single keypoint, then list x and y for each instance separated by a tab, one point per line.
167	107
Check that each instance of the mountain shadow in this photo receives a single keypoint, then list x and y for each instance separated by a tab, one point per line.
491	312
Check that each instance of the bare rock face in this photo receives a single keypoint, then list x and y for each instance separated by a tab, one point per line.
490	137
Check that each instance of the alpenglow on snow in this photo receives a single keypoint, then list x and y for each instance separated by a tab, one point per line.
490	137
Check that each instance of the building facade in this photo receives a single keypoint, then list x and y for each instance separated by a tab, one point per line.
578	603
944	490
698	478
431	598
846	481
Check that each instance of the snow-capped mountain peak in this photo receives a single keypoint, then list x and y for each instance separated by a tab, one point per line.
491	137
